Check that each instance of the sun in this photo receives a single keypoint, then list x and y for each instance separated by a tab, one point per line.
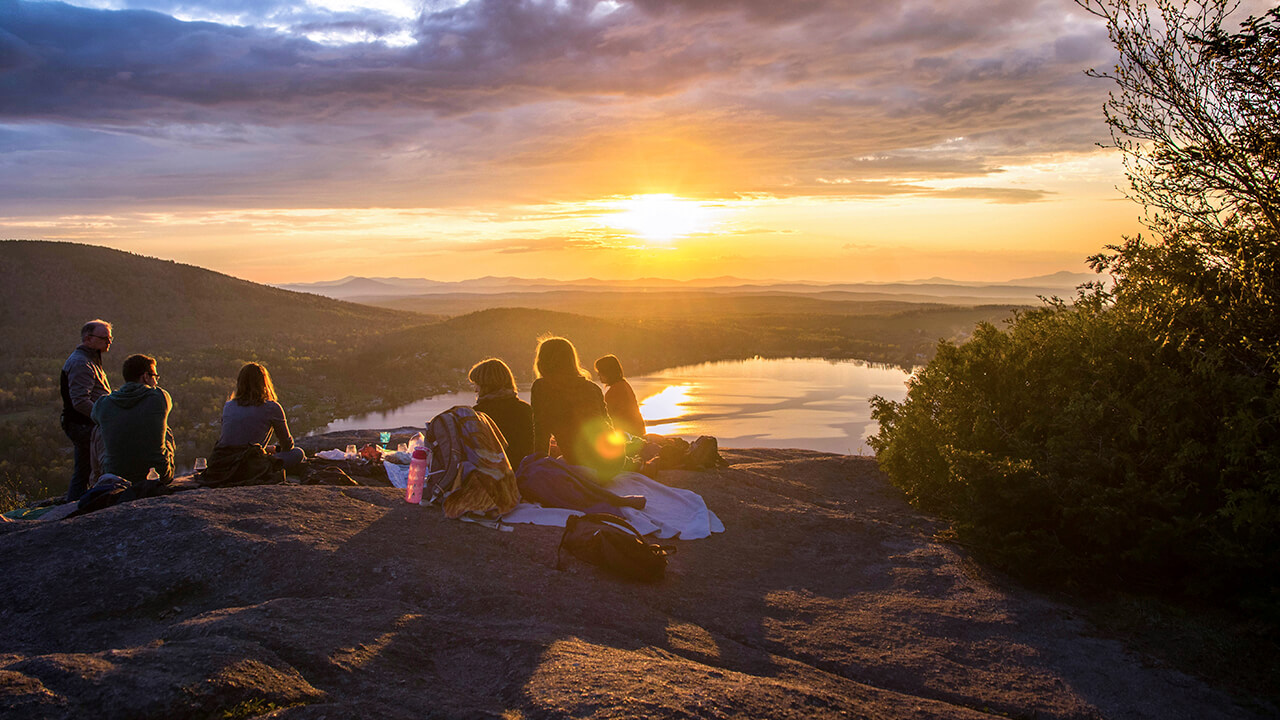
662	217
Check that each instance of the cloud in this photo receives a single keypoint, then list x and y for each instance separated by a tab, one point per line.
535	100
536	243
1008	196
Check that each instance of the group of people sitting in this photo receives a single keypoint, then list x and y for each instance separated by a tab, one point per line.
125	432
587	425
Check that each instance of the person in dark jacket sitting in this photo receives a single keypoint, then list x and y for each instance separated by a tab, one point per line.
496	397
253	415
570	408
134	422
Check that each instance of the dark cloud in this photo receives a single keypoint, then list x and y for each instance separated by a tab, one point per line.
79	63
773	11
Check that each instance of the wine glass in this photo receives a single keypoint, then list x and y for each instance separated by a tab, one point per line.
201	465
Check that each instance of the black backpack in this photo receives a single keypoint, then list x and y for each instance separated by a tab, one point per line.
611	543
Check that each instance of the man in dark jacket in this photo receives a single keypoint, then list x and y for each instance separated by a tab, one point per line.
134	422
83	383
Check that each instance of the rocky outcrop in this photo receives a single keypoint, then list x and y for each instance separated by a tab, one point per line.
827	596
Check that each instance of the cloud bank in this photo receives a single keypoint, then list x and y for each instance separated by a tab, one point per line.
527	100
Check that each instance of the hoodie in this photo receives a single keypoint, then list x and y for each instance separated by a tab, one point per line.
134	422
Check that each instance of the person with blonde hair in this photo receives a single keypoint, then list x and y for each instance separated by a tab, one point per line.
569	407
253	415
619	397
496	397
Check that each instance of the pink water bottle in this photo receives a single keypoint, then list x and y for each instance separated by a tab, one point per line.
417	476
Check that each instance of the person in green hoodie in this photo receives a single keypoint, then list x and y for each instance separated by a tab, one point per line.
134	423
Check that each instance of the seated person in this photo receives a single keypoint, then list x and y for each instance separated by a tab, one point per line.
569	407
496	397
253	416
619	397
134	424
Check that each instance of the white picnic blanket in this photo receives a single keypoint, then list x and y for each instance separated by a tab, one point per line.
668	512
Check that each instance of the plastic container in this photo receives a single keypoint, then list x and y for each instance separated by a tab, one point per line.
417	476
417	441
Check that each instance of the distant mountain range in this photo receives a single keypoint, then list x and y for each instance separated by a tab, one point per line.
383	288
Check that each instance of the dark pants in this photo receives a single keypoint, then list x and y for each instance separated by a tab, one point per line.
80	435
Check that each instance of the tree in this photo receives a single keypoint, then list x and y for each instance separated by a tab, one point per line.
1133	439
1197	117
1197	110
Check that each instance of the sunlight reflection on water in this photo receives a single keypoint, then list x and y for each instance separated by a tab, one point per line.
806	403
662	409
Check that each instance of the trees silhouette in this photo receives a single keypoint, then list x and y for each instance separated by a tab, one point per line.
1196	115
1130	440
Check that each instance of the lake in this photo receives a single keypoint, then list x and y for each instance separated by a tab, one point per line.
806	403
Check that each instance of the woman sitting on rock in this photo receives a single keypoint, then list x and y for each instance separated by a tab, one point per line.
619	398
253	415
569	407
496	397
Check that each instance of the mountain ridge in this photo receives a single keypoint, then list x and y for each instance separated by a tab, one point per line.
355	288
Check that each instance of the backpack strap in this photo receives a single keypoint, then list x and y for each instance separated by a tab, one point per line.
609	519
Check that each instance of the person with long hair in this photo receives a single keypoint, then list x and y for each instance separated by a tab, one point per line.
496	397
569	407
619	398
254	415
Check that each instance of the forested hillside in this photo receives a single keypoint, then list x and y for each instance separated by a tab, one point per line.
46	289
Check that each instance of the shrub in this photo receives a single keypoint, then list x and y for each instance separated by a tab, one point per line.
1076	449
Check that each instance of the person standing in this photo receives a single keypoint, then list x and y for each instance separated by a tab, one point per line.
134	423
83	382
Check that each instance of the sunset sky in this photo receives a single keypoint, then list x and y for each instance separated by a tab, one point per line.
833	140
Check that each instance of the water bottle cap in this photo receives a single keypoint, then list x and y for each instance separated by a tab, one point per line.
419	453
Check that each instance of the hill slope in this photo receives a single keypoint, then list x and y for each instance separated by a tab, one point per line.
826	597
157	306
